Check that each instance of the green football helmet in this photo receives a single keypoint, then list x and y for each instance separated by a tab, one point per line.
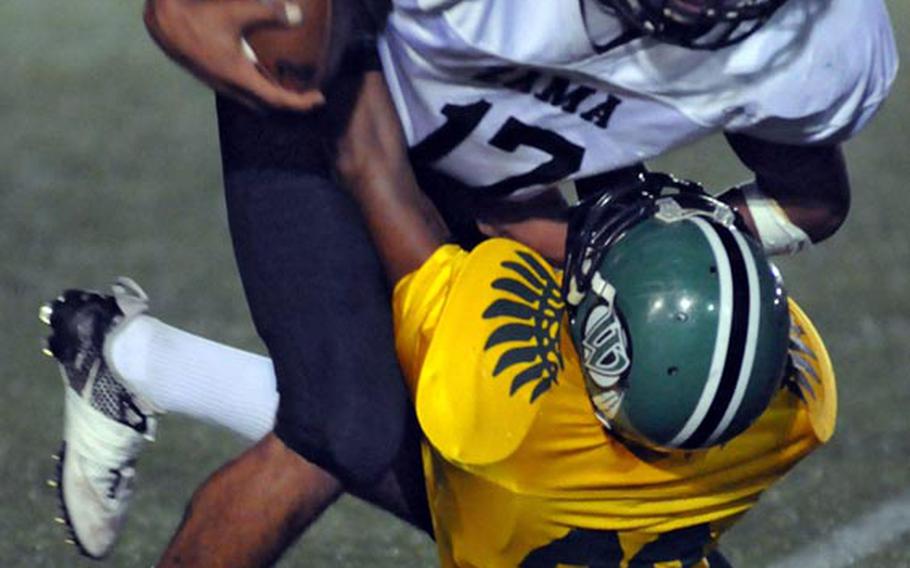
680	322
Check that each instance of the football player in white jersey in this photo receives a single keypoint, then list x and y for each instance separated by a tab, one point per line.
512	100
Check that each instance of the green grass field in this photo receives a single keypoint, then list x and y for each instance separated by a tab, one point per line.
110	166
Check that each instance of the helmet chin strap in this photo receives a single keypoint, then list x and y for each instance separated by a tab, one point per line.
602	288
573	295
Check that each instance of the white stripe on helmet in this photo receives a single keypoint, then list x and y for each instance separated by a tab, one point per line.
722	337
745	370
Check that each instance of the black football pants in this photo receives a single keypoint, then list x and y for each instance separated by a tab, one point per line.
319	301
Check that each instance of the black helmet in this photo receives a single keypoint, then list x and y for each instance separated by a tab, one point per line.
697	24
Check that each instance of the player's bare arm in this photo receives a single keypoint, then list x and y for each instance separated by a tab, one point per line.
372	159
205	37
809	183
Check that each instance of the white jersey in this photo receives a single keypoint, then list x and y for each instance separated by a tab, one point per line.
512	95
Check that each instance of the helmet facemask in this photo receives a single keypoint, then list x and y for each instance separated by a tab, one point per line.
695	24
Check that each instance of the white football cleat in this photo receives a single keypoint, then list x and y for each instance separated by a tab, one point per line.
106	422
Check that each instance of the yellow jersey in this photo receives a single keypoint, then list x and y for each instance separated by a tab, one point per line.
520	472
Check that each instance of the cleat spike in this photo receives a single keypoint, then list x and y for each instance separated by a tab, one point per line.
55	457
47	352
44	314
52	483
60	520
70	541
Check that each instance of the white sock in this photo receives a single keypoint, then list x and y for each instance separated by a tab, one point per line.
191	375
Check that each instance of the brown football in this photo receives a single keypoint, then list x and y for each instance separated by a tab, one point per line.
295	57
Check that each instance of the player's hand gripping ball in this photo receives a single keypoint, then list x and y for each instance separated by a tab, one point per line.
294	56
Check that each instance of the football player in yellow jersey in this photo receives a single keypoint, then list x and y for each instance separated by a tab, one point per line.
519	469
624	417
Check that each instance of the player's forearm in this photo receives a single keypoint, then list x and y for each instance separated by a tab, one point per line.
373	161
810	183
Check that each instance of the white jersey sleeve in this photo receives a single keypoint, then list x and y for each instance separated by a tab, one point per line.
830	82
815	72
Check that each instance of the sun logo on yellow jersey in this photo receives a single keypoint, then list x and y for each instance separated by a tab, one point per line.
532	309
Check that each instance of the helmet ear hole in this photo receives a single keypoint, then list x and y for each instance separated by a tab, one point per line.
713	269
672	371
